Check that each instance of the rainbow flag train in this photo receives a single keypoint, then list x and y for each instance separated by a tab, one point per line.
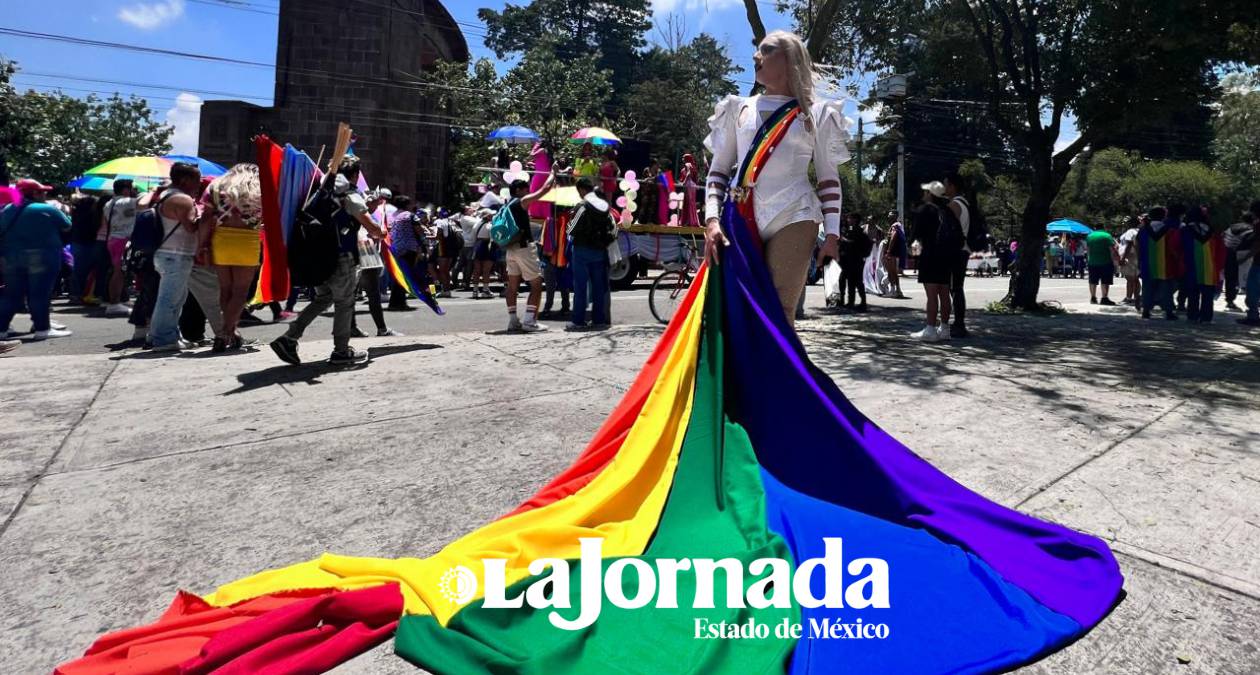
733	514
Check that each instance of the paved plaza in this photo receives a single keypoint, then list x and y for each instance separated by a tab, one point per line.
125	476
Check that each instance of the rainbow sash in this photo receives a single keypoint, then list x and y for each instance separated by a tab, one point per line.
763	146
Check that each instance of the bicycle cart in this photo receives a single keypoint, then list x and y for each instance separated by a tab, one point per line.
677	249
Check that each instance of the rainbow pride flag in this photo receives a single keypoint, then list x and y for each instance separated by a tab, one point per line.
732	490
1159	254
1204	256
403	277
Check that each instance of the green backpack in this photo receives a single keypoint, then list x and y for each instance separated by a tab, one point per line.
503	228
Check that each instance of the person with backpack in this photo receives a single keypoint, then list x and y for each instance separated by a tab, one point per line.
450	241
937	232
592	229
975	236
483	256
119	219
30	236
173	257
511	230
327	236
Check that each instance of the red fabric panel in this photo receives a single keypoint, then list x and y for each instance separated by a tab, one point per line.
607	441
176	637
311	636
273	280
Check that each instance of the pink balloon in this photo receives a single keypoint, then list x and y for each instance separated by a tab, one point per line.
630	175
621	202
673	219
515	167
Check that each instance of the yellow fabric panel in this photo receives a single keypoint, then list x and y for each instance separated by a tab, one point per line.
622	505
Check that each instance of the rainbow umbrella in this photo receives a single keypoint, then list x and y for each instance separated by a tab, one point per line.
146	172
595	136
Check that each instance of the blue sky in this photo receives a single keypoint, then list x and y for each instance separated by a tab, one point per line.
175	87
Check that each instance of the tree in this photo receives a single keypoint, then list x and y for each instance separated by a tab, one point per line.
55	137
673	98
613	31
1237	126
1109	65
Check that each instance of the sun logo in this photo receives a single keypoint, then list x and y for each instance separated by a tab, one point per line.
458	584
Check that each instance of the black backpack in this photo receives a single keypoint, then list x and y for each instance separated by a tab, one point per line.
149	235
977	227
313	246
949	234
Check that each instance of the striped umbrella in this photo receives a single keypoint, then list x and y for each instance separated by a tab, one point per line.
146	172
595	136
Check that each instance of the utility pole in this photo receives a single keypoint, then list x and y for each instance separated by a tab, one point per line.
859	157
901	182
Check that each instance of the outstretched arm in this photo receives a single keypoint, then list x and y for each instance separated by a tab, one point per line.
535	196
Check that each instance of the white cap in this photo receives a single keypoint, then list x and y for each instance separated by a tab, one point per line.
936	187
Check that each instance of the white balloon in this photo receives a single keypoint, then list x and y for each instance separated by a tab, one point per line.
624	185
630	175
677	196
516	166
632	207
673	220
505	193
631	195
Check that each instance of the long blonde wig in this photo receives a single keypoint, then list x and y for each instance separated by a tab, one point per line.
239	190
801	75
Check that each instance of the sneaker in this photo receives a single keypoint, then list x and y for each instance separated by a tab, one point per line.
7	346
51	333
176	346
943	335
1093	301
927	334
348	357
958	331
388	332
532	327
55	324
118	310
357	332
514	323
286	348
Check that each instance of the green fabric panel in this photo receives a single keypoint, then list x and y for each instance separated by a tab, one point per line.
698	521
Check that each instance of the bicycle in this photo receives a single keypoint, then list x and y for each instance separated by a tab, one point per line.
670	286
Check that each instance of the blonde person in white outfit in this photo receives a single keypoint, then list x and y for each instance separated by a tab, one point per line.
787	205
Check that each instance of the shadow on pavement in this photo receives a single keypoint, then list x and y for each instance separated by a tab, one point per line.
310	372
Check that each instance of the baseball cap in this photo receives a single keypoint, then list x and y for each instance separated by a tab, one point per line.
27	186
936	187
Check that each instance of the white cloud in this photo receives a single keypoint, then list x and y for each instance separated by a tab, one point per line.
186	118
662	7
147	16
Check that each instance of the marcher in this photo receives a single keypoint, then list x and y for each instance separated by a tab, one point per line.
338	289
406	244
962	205
592	230
450	241
1159	261
483	256
522	258
30	236
1237	239
936	231
609	171
84	223
231	222
785	207
1101	256
1248	269
585	165
895	255
463	272
371	265
855	246
1129	263
173	260
1204	255
118	219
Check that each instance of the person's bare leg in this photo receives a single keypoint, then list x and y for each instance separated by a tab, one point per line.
787	256
535	293
242	279
932	305
116	284
946	304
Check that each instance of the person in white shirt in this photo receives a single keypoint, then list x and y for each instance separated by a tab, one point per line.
788	207
119	219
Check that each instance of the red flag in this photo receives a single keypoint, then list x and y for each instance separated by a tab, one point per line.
273	279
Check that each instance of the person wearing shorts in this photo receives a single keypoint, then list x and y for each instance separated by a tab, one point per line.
522	260
483	256
1101	254
119	219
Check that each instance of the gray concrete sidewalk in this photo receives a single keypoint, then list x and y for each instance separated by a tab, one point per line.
124	477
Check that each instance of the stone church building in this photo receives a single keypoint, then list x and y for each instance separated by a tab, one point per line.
355	61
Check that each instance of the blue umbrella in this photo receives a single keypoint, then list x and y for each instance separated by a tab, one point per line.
207	167
513	134
1069	226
